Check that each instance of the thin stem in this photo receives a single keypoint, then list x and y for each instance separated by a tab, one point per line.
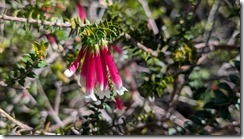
141	46
211	21
151	21
35	21
58	97
50	108
21	125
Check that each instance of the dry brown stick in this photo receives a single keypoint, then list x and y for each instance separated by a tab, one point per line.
58	96
141	46
50	108
211	21
151	21
65	122
21	125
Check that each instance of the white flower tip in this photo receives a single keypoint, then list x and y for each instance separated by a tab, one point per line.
68	73
101	88
151	99
55	46
87	99
121	90
90	95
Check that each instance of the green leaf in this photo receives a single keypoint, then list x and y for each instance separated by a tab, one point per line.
237	65
33	56
234	79
16	13
172	131
203	114
27	60
40	49
92	107
190	126
73	23
211	105
41	64
61	34
24	59
30	14
204	132
181	130
214	124
136	52
31	75
221	99
100	117
20	66
225	114
196	119
106	106
237	106
226	87
21	82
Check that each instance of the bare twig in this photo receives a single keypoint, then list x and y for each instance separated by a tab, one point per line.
66	121
58	97
21	125
45	133
211	21
216	45
151	21
75	131
141	46
50	108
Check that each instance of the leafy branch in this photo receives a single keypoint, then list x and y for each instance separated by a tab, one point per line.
102	29
34	21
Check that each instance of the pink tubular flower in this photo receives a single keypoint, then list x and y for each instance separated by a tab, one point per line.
81	11
119	103
85	66
112	68
52	40
90	77
99	71
117	49
105	74
115	77
75	65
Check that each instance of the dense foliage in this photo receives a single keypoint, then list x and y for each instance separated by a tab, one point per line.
178	59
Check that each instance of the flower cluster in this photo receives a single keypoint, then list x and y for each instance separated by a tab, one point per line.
97	67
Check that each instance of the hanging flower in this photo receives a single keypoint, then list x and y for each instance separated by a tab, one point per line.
97	66
115	77
117	49
81	11
75	65
119	103
52	40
